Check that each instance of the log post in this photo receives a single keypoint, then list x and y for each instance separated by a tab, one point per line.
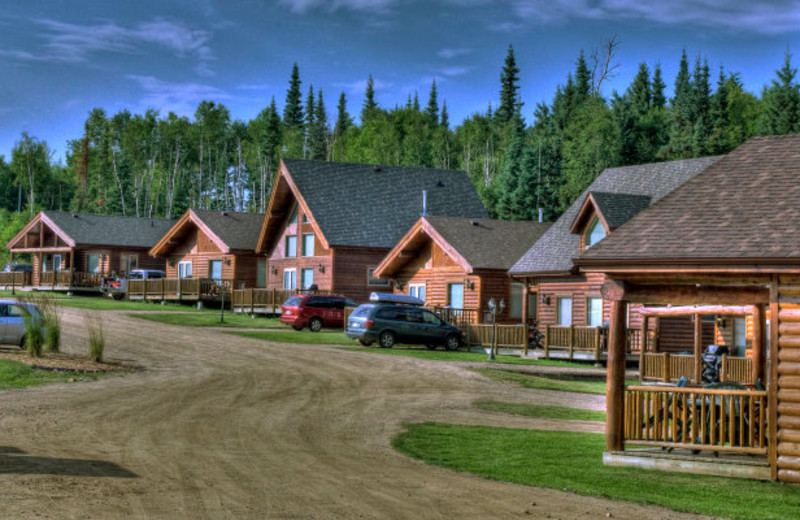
698	348
615	383
759	343
525	290
571	340
723	371
547	342
665	372
644	343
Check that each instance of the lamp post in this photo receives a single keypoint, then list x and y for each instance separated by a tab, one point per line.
493	307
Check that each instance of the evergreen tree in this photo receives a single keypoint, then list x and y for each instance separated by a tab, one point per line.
718	114
701	89
508	203
510	102
445	119
370	106
659	100
432	110
781	101
309	123
293	110
681	133
582	79
320	133
343	119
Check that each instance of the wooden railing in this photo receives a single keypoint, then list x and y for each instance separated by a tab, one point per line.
507	336
666	367
572	339
458	317
697	418
68	278
259	300
15	278
179	289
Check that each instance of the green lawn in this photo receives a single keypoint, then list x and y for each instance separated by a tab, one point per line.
565	383
573	462
458	355
295	336
104	303
14	374
211	319
541	410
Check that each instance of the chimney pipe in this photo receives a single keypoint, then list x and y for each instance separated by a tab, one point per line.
541	214
424	203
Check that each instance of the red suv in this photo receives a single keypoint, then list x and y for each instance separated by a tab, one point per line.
316	311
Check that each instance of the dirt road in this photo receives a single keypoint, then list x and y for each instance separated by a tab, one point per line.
219	426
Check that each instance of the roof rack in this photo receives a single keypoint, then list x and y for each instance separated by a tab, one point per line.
395	298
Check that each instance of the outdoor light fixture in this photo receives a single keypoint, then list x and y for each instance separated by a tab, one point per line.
721	322
274	270
227	260
469	284
399	284
545	299
321	268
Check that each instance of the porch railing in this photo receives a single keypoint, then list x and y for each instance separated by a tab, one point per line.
507	336
458	317
70	278
574	338
666	367
697	418
259	300
179	288
15	278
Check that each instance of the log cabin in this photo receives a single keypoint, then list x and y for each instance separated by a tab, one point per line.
213	245
76	250
456	265
570	310
727	237
329	224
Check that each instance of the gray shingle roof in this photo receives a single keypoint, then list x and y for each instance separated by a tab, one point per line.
557	247
744	206
359	205
238	230
618	208
487	243
107	230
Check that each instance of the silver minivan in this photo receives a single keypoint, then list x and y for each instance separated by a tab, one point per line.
12	321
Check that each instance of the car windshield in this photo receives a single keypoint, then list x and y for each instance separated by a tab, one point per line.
294	301
137	276
362	312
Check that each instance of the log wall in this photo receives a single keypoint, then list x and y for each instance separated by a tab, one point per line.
787	390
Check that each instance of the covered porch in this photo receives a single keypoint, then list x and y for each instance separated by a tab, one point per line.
725	428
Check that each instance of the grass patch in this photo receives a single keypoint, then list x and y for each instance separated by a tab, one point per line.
14	374
563	382
572	462
104	303
295	336
444	355
541	410
207	319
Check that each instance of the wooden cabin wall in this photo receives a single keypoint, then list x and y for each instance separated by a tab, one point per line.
350	266
197	248
676	334
784	382
245	269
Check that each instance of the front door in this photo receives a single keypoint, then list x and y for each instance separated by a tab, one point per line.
455	295
92	263
215	269
261	273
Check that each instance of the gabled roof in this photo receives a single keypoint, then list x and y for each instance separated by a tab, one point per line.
613	209
229	230
472	243
83	229
743	207
553	253
363	205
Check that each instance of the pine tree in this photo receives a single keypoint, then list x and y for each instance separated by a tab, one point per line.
640	91
319	135
509	90
718	114
582	79
701	90
782	101
309	123
445	118
343	119
370	106
681	133
432	110
659	100
293	110
508	207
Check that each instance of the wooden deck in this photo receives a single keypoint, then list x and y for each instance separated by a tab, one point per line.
179	289
666	368
584	343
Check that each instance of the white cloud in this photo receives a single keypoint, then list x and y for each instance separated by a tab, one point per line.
449	54
455	71
303	6
76	43
505	27
359	88
767	17
181	98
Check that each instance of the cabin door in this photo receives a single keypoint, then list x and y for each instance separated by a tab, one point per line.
93	263
261	274
215	269
455	295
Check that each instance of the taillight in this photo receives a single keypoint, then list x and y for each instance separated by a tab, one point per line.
369	323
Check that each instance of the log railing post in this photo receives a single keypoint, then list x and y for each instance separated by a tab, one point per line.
547	342
597	344
571	340
643	347
698	348
665	368
759	343
723	372
615	383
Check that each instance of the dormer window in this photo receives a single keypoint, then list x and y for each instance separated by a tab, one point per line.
595	232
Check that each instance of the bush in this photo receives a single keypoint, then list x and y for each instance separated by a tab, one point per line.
33	333
49	319
97	340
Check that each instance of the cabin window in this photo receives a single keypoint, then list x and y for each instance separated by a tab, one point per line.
371	280
308	244
56	262
594	312
307	277
293	215
455	295
92	262
291	246
290	279
564	311
417	290
185	269
128	262
595	233
261	273
739	337
215	269
516	300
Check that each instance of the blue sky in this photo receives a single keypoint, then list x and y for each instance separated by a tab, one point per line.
61	59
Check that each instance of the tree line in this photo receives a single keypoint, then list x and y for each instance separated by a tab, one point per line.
153	165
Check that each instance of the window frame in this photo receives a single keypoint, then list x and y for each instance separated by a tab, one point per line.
593	225
376	282
559	314
303	272
305	248
589	300
416	288
182	268
288	241
286	271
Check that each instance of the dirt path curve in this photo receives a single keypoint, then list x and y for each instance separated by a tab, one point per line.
226	427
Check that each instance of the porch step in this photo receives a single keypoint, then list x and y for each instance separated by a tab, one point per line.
681	461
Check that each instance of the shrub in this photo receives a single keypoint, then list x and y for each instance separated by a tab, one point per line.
33	333
97	341
49	319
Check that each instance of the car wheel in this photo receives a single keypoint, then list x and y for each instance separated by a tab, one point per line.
365	342
22	342
315	324
430	347
386	339
297	327
118	296
452	342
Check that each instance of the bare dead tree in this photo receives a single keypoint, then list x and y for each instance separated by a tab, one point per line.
603	65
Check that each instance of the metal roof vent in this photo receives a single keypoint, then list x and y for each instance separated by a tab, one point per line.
74	215
376	168
439	184
224	213
474	222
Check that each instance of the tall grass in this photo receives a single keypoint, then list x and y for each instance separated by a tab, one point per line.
50	319
33	332
97	340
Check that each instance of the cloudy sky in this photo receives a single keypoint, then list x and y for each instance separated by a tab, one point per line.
60	59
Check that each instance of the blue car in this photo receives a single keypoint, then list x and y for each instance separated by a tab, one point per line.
12	321
390	323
